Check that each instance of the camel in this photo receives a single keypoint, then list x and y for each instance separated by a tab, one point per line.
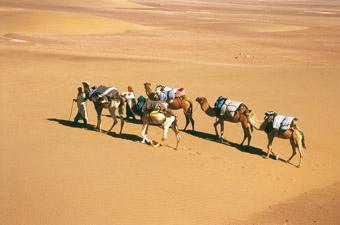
294	134
240	116
158	118
182	102
113	104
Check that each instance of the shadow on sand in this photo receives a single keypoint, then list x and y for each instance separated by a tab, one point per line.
246	149
130	137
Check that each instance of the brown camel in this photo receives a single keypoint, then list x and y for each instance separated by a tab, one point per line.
158	118
113	104
294	134
177	103
240	116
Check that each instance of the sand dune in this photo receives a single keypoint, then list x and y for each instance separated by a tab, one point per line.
56	23
79	3
263	53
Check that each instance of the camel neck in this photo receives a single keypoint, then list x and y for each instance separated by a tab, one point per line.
208	109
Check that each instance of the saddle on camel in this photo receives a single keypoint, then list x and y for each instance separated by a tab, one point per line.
146	105
285	127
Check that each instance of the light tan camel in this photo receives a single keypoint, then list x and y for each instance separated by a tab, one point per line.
294	134
240	116
113	104
158	118
182	102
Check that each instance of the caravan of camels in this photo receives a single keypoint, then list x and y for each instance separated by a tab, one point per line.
158	108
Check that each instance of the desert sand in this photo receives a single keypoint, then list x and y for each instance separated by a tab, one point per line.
271	55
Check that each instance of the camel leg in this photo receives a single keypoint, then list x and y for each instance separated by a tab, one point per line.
187	121
192	122
215	126
178	136
122	122
113	115
292	143
222	130
270	148
299	145
165	134
144	134
244	137
166	126
246	132
99	111
121	108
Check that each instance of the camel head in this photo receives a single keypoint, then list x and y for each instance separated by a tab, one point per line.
147	84
201	100
258	125
269	116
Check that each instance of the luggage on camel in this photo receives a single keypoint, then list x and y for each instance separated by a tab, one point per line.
279	122
140	103
168	94
103	94
219	102
226	107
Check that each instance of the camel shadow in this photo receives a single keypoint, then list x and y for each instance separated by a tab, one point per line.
246	149
129	120
130	137
73	124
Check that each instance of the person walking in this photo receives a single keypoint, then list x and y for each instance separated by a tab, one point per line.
81	104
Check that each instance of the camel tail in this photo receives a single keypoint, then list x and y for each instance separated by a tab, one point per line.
303	140
191	107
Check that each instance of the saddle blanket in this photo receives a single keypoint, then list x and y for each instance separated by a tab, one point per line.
282	122
104	91
229	107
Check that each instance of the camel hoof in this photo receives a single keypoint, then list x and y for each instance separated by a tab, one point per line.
298	166
266	157
277	157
